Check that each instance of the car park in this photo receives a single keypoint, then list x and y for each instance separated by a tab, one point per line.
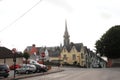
26	68
4	70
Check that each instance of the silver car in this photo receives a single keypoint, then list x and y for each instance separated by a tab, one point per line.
26	69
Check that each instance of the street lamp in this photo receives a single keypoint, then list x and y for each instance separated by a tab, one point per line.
14	59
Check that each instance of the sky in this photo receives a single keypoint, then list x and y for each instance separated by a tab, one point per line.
42	22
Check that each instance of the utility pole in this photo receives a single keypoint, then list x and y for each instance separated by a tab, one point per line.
14	59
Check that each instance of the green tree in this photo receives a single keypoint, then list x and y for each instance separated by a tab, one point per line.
26	55
109	44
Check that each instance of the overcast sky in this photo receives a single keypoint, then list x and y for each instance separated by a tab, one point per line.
42	22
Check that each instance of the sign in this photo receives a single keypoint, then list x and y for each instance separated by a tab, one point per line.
14	50
42	54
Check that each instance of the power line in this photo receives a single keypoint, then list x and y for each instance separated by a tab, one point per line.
20	16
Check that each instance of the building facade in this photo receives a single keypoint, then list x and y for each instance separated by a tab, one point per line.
78	54
6	56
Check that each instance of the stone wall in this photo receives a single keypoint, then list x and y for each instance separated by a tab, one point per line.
115	62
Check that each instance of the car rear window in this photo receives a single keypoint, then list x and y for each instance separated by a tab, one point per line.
3	66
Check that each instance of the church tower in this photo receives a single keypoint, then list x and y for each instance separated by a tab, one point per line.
66	35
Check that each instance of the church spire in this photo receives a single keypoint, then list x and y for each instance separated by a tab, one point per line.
66	35
66	30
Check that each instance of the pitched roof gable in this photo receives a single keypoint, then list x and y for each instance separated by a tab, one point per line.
78	46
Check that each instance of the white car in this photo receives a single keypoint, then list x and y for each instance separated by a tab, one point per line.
43	67
26	69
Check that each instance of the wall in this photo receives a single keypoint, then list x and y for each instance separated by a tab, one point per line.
9	61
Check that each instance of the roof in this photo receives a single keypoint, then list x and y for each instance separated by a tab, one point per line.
52	51
7	53
78	46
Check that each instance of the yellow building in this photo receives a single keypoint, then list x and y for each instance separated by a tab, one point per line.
72	53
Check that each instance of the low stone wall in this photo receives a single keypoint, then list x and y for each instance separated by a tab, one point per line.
115	62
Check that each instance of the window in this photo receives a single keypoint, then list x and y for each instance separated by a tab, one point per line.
82	56
74	57
64	57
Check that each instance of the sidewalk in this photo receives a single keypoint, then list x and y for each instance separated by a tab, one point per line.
53	70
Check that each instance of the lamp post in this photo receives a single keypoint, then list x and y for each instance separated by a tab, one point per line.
14	59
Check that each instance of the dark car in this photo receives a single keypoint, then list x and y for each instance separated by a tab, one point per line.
38	68
43	68
4	70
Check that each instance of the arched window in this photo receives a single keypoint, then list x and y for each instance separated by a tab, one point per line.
82	56
74	57
64	57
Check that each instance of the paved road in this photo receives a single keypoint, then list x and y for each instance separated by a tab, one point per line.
82	74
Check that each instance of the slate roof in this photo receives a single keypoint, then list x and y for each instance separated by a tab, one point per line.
55	52
7	53
52	51
78	46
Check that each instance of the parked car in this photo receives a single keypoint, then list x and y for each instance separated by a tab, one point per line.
43	68
26	69
4	70
16	66
38	68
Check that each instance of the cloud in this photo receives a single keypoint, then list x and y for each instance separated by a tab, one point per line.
61	3
106	15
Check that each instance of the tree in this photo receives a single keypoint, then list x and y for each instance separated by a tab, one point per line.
109	44
26	55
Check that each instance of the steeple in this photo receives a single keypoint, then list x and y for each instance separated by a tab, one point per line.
66	35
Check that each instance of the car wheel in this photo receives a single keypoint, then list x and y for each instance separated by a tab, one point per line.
16	72
38	71
27	72
44	70
5	76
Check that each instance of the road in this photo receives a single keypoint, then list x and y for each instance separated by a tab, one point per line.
81	74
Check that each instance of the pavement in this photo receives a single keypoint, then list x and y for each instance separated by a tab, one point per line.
22	76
